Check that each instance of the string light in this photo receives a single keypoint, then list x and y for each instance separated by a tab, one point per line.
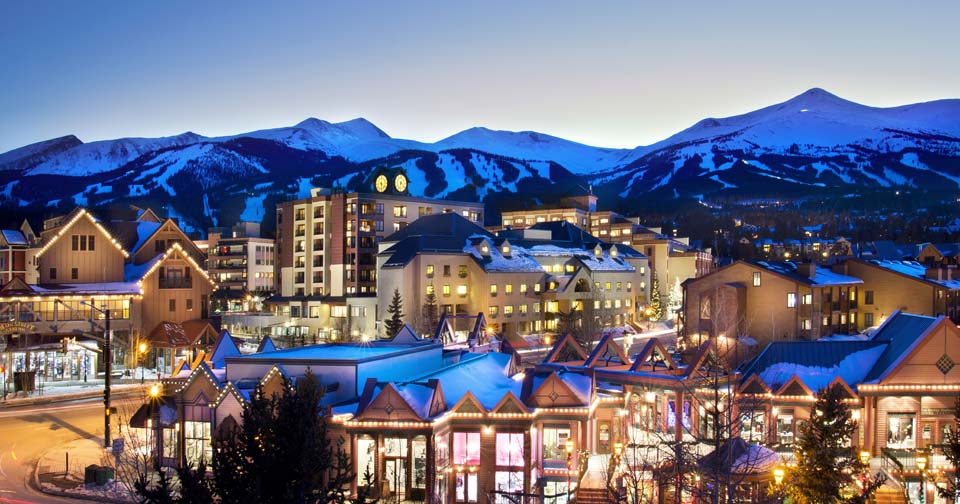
80	214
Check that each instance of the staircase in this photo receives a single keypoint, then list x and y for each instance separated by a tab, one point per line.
889	496
594	496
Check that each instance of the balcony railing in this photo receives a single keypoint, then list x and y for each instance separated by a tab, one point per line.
176	283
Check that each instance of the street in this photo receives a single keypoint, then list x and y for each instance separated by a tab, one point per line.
28	432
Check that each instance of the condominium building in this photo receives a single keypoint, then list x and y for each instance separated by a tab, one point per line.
241	263
326	253
523	281
673	259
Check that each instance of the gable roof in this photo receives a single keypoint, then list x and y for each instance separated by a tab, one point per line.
607	353
565	348
140	272
74	217
901	332
223	348
648	354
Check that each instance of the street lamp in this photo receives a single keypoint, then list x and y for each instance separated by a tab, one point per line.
778	474
922	465
108	368
141	351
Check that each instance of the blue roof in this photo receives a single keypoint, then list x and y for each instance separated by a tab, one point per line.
338	351
815	363
822	276
901	332
485	376
14	237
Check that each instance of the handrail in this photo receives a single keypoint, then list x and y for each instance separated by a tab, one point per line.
889	454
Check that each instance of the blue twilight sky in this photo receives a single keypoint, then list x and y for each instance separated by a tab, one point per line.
616	74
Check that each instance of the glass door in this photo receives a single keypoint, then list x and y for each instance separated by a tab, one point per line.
397	478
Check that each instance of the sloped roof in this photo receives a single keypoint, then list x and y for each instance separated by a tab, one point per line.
169	335
822	276
901	332
223	348
814	363
449	224
914	270
485	376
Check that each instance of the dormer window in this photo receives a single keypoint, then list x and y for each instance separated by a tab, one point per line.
505	250
613	252
485	249
597	251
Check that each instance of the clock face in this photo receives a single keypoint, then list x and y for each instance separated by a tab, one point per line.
381	183
400	183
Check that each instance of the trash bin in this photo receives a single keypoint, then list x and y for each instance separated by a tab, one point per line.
90	474
104	474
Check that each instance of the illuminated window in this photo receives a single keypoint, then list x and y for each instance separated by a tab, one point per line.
446	290
508	288
791	300
462	290
523	288
756	279
430	290
493	289
494	311
429	271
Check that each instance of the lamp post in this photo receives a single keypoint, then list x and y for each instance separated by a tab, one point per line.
154	398
108	367
141	352
865	461
922	465
569	447
778	474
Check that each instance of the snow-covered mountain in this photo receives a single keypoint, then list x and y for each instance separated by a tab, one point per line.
814	140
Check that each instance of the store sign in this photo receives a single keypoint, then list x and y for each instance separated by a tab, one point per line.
16	327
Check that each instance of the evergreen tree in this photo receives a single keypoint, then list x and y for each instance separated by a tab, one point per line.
395	323
430	313
827	464
951	450
655	307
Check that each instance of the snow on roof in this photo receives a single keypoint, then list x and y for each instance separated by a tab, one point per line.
852	369
145	230
125	288
822	276
337	351
484	376
135	272
916	270
14	237
518	260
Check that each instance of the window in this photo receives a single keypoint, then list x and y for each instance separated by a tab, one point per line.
808	299
431	290
494	311
74	273
510	449
462	290
493	289
607	286
791	300
196	440
523	288
463	271
785	428
446	290
554	442
868	297
629	286
173	305
508	288
318	212
752	422
536	287
523	309
189	304
446	270
400	211
429	271
366	453
338	311
466	448
467	487
508	310
806	324
619	286
756	279
705	308
901	431
868	319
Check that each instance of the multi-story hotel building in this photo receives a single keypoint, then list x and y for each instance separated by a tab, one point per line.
141	269
770	301
672	259
521	280
241	263
327	247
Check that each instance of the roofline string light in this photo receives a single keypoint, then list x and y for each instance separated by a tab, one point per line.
83	212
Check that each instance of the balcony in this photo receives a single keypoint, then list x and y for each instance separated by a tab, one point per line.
176	283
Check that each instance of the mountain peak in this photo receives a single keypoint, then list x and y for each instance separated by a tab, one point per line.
817	96
312	123
363	128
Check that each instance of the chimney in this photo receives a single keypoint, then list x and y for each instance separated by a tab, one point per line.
808	270
934	273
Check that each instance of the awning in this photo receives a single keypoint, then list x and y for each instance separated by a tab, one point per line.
164	408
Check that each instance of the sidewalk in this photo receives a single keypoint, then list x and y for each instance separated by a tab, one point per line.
54	476
61	391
